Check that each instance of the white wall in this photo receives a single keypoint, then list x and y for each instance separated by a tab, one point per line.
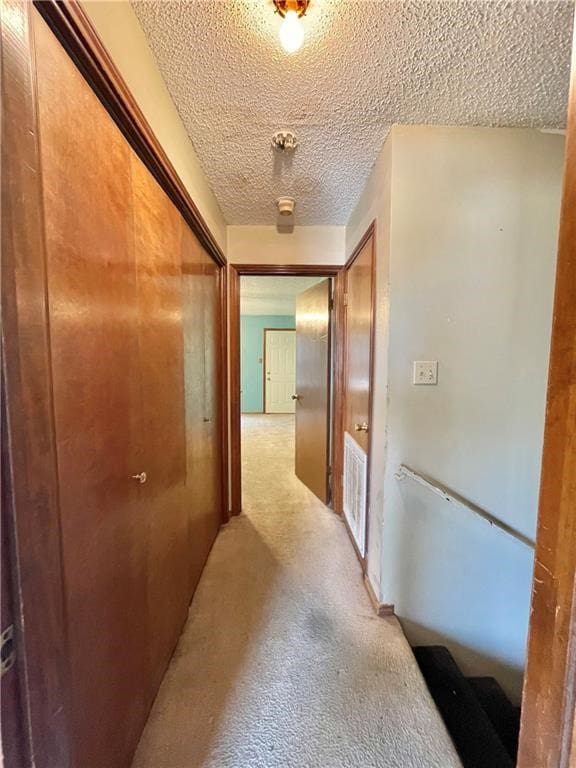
304	245
123	37
471	254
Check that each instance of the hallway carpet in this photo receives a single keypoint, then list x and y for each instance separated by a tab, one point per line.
283	663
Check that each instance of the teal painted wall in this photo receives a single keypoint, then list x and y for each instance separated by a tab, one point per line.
251	353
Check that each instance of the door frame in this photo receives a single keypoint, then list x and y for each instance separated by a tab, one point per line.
547	731
235	272
265	331
370	233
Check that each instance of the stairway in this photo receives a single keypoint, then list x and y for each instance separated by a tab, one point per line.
481	720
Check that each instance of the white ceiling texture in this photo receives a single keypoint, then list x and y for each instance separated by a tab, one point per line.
365	65
272	295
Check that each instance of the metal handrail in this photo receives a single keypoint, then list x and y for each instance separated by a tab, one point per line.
451	496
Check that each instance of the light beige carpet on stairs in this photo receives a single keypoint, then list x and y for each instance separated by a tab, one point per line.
283	663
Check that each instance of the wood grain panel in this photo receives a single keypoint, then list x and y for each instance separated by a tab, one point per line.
203	437
359	288
96	373
28	446
214	388
548	705
74	29
313	387
164	520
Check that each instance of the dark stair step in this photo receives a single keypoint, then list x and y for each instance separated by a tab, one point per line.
503	715
474	736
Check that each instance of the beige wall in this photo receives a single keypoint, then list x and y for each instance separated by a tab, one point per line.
124	39
304	245
467	226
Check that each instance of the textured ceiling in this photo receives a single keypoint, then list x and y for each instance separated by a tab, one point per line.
272	295
365	65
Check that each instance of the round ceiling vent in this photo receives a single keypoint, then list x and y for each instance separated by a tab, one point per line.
285	206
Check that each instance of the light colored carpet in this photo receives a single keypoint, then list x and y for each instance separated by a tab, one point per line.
283	662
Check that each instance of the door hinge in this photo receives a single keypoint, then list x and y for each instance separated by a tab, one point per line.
7	650
331	304
345	299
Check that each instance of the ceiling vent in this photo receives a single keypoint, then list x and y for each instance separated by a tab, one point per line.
285	206
284	141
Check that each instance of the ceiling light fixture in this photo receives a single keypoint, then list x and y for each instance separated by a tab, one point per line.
291	29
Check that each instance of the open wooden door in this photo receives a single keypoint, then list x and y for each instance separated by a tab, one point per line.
357	388
313	388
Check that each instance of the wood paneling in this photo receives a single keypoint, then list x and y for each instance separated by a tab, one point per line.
313	388
93	360
359	286
28	448
69	22
548	705
235	407
163	515
16	747
94	326
202	391
135	344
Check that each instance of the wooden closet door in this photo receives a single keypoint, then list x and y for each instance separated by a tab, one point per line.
157	240
200	349
96	374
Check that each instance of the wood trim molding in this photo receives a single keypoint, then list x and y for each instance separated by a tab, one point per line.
235	272
235	411
70	23
28	445
548	705
381	609
338	358
223	393
362	242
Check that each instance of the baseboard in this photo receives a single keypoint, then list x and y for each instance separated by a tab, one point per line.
381	609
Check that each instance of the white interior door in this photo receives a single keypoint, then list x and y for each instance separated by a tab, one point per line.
280	371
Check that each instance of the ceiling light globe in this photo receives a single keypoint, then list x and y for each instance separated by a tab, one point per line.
291	32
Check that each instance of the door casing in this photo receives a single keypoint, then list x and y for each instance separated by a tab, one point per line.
235	272
369	235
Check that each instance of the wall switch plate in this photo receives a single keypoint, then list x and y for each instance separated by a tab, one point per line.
425	372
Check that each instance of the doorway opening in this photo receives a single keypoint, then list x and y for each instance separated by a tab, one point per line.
284	375
286	378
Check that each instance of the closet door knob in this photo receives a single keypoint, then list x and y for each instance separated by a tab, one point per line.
141	477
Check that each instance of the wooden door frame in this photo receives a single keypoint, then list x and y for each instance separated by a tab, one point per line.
235	272
547	733
265	331
370	233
